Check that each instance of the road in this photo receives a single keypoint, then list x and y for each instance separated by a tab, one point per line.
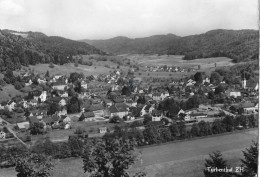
188	149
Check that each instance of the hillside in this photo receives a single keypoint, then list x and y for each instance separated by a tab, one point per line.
240	45
24	48
121	45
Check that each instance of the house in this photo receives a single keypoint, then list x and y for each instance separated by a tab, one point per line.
61	101
29	83
249	107
62	112
59	86
65	119
102	129
23	126
43	96
198	115
10	105
84	84
41	81
97	109
156	97
235	94
2	135
118	109
156	115
87	116
33	102
33	119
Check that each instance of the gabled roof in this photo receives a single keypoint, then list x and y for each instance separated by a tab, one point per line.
33	119
118	107
88	114
23	125
56	99
247	105
95	107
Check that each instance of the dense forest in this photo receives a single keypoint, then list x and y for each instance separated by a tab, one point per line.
239	45
30	48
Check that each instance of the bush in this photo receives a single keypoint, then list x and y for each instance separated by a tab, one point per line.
18	85
79	130
51	65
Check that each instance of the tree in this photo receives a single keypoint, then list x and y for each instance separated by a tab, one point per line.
47	75
53	108
215	78
174	130
18	85
195	130
108	157
165	134
203	128
73	105
216	161
250	161
217	127
34	165
51	65
228	123
219	89
182	129
198	77
151	135
115	119
147	118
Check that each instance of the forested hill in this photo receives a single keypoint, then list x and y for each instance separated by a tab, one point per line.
121	45
240	45
24	48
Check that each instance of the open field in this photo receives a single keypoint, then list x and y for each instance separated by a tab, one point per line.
66	69
176	60
182	159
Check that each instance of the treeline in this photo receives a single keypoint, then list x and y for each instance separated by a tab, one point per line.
240	45
154	133
16	51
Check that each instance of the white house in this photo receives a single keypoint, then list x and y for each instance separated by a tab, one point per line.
235	94
43	96
84	85
102	129
29	83
11	105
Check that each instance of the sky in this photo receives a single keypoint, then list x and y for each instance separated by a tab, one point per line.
103	19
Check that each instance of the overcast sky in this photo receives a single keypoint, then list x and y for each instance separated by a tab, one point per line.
102	19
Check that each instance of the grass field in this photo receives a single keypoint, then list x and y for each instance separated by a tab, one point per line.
182	159
8	92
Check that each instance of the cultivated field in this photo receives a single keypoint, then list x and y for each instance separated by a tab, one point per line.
183	159
176	60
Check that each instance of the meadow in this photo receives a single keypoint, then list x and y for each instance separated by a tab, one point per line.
179	159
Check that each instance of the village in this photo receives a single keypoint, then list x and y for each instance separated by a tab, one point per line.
63	106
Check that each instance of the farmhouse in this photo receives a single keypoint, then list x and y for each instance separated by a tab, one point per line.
97	109
118	109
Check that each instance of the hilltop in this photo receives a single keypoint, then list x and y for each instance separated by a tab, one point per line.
24	48
239	45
